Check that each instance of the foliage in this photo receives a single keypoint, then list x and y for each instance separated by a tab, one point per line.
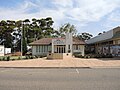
84	36
66	28
12	32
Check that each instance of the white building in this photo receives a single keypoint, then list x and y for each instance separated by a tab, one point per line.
4	50
58	45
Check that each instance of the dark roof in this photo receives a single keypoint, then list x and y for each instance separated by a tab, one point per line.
77	41
43	41
48	41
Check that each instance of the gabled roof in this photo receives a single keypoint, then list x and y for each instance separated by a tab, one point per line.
48	41
109	35
43	41
102	37
77	41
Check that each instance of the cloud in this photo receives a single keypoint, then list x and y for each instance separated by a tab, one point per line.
78	12
112	20
114	17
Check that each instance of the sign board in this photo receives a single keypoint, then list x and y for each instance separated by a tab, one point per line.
1	50
7	50
58	41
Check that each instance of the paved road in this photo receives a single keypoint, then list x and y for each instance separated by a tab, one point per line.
60	79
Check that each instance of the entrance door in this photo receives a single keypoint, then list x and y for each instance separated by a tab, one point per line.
61	49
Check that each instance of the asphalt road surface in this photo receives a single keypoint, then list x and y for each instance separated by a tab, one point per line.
59	79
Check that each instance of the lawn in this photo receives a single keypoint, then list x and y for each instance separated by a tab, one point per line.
5	58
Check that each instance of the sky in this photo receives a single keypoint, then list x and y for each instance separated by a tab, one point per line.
92	16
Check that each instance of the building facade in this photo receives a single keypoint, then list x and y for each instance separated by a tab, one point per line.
58	45
106	43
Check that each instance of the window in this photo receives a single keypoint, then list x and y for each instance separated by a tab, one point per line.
39	48
36	48
76	47
68	46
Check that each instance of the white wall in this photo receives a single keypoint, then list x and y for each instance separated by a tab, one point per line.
2	50
40	50
81	49
7	50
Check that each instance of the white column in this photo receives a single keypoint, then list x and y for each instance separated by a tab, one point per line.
52	48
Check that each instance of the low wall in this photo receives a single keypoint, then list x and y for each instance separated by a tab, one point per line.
54	56
67	55
58	55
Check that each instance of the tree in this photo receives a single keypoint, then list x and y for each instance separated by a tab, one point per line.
6	28
41	28
12	32
17	35
25	35
84	36
67	28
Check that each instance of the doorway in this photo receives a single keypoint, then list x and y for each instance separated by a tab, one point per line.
59	49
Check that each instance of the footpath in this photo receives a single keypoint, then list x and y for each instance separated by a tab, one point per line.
65	63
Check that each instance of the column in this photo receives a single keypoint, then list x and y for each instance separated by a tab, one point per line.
52	48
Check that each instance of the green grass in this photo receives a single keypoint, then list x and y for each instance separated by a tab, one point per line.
16	57
13	57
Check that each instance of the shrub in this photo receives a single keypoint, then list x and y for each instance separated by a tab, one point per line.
19	58
8	58
26	57
87	56
3	58
0	59
79	56
41	56
12	59
31	57
36	56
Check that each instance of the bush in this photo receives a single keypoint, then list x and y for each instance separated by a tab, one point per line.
41	56
36	56
78	55
100	56
19	58
8	58
27	57
0	59
31	57
87	56
3	58
12	59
